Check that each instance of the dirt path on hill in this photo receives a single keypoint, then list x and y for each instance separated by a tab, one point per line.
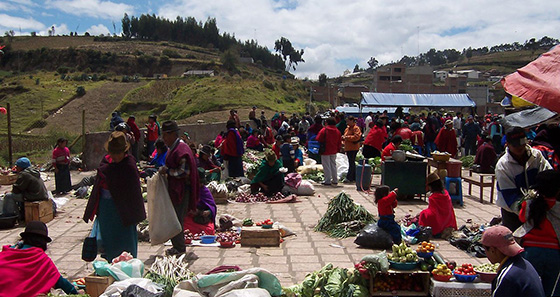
98	103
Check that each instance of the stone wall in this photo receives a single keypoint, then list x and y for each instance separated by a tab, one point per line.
199	133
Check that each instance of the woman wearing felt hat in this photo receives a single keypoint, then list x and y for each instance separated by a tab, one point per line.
26	269
440	214
116	199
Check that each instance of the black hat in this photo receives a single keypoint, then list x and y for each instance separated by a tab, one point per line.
515	136
152	116
547	183
206	149
36	228
169	126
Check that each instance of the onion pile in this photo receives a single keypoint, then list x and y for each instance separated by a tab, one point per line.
259	197
228	236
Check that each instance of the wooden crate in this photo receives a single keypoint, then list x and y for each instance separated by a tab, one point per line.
8	179
425	279
96	285
39	211
257	236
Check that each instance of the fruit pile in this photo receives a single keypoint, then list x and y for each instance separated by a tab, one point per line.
441	269
265	222
465	269
394	282
425	247
403	254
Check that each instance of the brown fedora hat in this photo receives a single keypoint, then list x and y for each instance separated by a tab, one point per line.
432	177
117	143
169	126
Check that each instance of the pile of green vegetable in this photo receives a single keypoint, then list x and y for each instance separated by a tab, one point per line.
344	218
406	146
468	161
330	281
375	163
168	271
316	176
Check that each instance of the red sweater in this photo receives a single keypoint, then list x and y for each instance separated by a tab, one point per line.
542	236
388	151
386	204
376	137
332	139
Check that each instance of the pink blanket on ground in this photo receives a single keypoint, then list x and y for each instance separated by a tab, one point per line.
27	272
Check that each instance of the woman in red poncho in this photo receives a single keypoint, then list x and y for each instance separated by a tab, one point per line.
440	214
446	140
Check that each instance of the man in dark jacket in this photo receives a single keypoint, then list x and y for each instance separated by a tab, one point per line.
470	131
516	276
28	187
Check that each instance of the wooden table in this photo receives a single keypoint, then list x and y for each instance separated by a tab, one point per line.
438	165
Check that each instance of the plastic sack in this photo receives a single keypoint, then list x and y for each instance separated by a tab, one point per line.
251	292
293	180
374	237
341	165
120	271
305	188
136	291
117	288
308	161
163	222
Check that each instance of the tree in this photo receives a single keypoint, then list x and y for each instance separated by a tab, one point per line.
126	26
468	54
229	60
373	63
357	68
322	79
288	52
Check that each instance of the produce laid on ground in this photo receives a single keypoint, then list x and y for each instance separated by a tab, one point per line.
260	197
248	222
344	218
398	282
228	236
316	176
168	272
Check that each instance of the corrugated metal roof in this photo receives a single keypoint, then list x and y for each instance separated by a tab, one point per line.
416	100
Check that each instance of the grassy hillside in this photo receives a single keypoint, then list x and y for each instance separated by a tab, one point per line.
182	98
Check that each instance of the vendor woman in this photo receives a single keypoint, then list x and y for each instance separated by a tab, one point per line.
440	214
204	217
268	179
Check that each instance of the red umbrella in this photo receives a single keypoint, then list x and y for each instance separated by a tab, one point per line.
538	82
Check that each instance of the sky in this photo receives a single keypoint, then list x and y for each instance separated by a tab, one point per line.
335	34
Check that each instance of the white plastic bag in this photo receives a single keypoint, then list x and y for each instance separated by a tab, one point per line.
341	165
116	288
305	188
163	221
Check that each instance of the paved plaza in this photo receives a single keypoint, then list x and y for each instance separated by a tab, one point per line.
296	256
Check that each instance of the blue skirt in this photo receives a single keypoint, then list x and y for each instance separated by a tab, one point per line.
116	238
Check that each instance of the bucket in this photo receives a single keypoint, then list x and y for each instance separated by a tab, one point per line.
454	168
363	177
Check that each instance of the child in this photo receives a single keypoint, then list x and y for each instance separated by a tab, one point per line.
288	154
386	201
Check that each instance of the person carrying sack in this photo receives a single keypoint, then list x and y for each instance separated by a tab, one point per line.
182	178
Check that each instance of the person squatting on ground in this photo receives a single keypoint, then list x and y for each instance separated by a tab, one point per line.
386	201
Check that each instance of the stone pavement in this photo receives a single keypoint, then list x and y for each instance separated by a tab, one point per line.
296	256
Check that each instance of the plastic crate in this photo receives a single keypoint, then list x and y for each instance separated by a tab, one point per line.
457	289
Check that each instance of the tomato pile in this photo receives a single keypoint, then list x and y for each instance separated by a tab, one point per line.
265	222
465	269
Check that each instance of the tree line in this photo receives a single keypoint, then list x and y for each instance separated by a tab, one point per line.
190	31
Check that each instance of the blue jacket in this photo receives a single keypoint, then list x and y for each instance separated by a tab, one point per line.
517	277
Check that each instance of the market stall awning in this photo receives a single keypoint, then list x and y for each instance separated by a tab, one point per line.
529	117
538	82
416	100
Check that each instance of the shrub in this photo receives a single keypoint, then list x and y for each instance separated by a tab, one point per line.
170	53
268	85
290	98
80	91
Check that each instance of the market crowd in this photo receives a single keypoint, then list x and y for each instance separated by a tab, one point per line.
522	159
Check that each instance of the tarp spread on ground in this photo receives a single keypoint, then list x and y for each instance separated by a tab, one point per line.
538	81
528	118
416	100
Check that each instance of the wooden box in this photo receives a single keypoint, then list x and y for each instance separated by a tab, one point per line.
96	285
419	277
39	211
257	236
8	179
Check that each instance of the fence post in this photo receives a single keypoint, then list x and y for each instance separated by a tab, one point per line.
10	158
83	130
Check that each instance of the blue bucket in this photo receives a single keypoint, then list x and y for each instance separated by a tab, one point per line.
363	177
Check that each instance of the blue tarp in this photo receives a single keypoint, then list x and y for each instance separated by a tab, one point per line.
416	100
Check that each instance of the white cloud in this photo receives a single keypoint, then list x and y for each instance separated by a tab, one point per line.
91	8
15	23
98	30
332	30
